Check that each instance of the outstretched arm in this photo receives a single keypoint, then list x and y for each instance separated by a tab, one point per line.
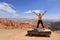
35	13
44	12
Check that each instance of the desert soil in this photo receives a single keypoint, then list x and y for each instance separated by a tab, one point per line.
17	34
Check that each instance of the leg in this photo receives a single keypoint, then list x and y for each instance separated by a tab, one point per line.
38	24
42	24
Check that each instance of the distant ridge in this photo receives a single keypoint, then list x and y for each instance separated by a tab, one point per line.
27	19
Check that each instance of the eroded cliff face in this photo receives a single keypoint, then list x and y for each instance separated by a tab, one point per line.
12	24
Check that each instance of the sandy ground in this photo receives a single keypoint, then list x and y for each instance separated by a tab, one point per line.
18	34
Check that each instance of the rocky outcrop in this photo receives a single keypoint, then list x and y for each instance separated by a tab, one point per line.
12	24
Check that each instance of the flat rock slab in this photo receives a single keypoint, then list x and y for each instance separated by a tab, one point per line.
46	32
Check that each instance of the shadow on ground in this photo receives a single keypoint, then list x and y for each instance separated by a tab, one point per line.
37	35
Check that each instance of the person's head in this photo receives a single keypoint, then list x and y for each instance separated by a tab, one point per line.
39	13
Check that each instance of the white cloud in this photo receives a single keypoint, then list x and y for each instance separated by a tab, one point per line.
31	11
36	11
7	9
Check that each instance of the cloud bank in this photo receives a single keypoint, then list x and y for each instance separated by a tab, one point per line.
53	16
6	10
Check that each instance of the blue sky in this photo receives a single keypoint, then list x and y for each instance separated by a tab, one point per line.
18	8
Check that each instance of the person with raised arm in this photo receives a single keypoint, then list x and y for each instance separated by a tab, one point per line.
40	15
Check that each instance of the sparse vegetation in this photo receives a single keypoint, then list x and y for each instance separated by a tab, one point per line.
55	26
